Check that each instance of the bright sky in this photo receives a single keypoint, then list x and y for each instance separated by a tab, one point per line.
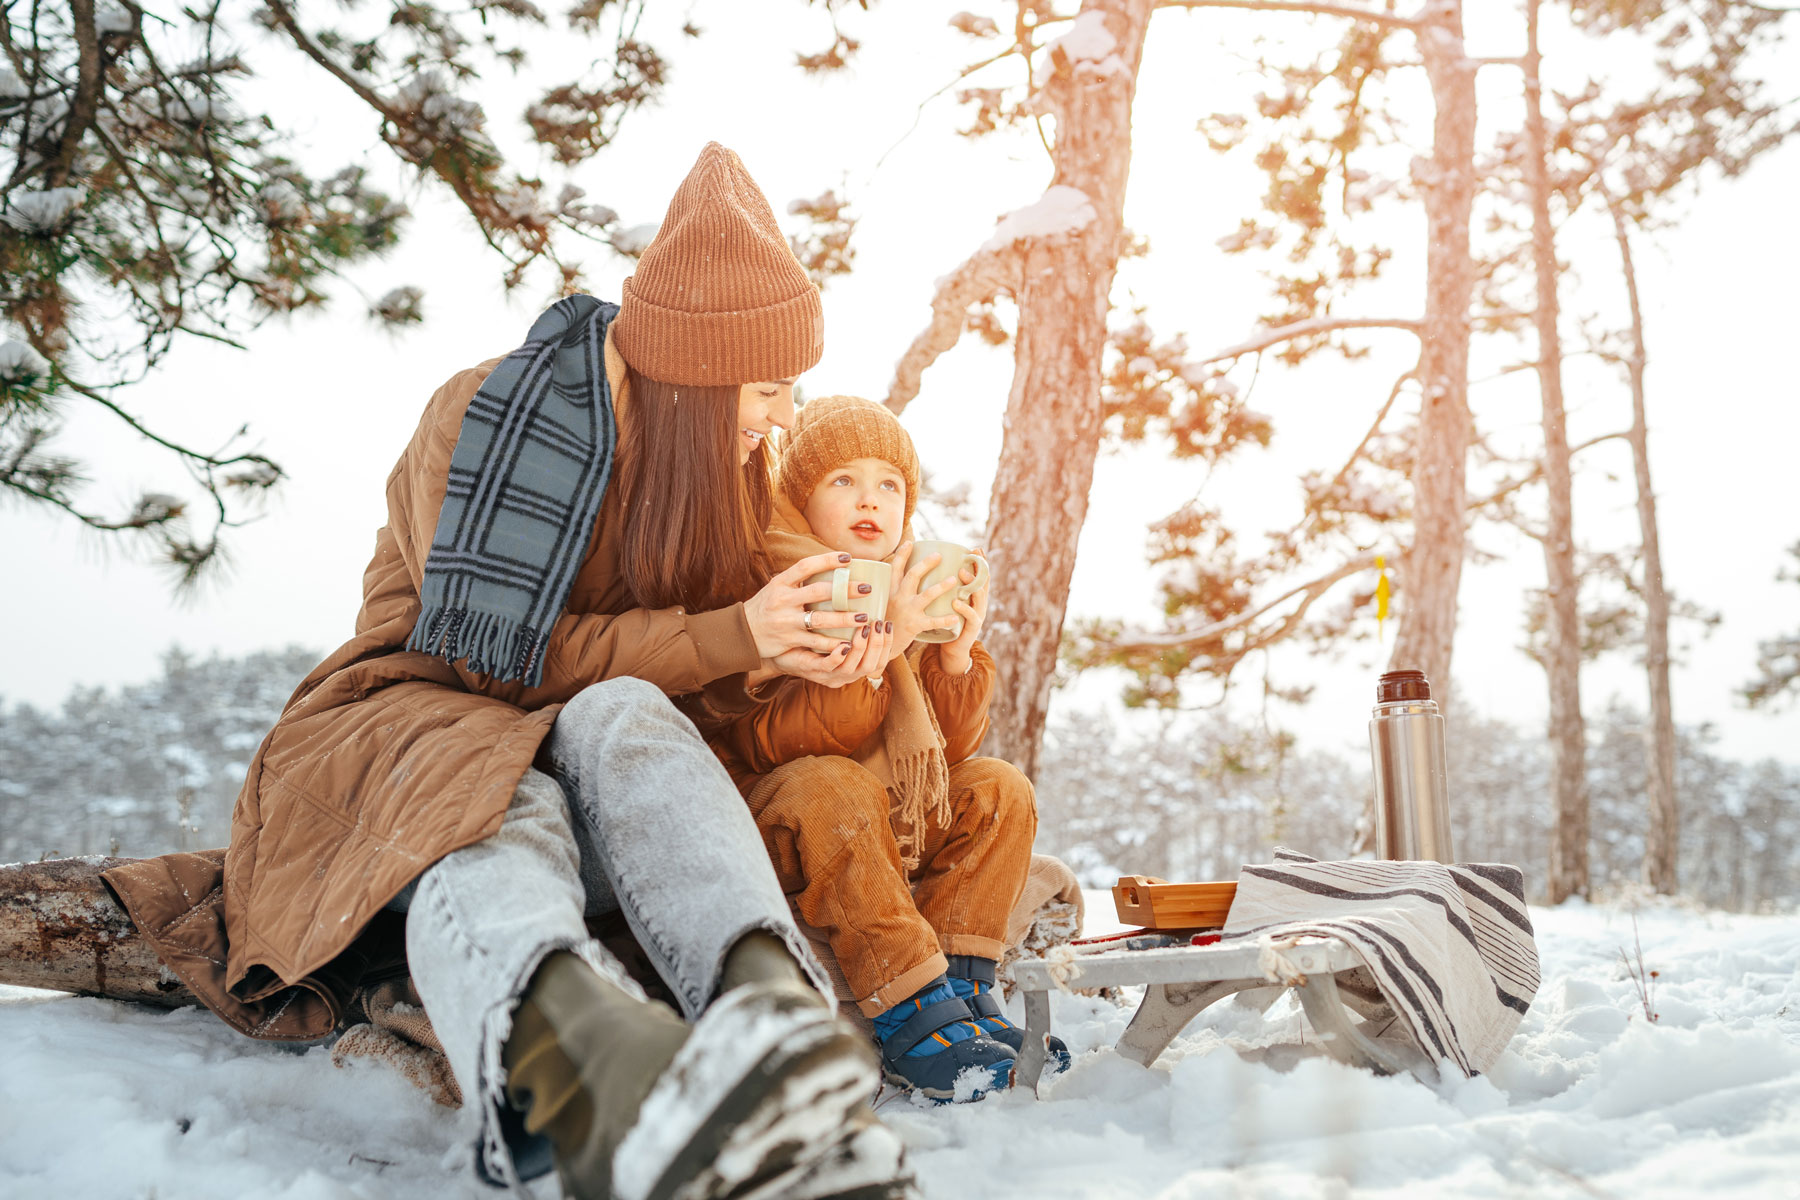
334	399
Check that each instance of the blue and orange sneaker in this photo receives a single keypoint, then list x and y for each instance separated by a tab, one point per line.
972	979
930	1039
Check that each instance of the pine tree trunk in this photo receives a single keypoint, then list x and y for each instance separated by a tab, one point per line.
1432	570
1660	846
1562	660
1040	495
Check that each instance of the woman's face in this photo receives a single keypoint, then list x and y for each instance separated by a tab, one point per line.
762	408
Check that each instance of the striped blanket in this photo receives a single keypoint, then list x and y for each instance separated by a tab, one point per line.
1449	949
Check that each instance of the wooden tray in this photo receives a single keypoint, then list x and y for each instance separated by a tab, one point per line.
1158	904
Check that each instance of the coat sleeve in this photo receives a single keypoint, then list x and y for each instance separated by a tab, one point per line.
960	701
803	719
678	651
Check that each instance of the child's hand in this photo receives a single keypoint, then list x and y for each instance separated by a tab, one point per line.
906	603
957	657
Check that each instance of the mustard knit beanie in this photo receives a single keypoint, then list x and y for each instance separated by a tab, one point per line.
832	430
718	297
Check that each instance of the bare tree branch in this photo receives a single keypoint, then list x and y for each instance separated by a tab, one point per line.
1388	19
1182	639
1536	473
1264	338
981	277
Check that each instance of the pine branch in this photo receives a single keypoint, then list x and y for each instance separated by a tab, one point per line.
284	16
1265	338
981	277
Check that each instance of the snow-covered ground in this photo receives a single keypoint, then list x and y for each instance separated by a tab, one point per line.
102	1100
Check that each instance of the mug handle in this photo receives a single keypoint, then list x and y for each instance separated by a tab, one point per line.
981	578
840	589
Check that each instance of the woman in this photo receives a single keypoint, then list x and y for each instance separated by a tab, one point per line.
522	607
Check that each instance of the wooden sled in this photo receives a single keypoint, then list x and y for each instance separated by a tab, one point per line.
1181	981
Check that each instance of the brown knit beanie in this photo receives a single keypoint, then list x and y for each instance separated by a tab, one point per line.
719	298
832	430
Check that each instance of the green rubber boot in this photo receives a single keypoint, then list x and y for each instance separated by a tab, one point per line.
582	1056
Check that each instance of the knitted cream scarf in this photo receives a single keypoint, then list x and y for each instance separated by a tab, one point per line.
909	739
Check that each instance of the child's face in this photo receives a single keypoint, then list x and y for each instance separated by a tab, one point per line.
859	508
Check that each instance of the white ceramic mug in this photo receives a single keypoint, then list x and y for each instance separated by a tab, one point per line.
843	580
953	558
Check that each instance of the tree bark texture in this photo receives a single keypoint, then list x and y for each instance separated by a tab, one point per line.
1053	418
1660	845
61	929
1432	568
1562	610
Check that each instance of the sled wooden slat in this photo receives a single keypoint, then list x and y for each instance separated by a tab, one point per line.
1181	981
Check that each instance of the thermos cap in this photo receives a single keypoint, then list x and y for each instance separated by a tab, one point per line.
1402	685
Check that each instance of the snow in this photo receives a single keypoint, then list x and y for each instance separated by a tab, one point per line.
21	366
1060	210
1088	38
43	211
1088	47
635	239
1591	1099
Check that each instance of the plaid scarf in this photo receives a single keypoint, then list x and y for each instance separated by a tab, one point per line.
530	469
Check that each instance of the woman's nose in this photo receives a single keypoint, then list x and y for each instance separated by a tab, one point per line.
781	409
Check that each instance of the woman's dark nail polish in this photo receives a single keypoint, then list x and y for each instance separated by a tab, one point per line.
890	627
843	558
862	616
863	589
865	632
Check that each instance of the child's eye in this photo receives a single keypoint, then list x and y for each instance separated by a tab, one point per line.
841	481
890	485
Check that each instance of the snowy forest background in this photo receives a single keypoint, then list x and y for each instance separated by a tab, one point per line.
154	767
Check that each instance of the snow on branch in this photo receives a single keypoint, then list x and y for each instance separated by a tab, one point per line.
994	268
984	275
1061	210
1262	339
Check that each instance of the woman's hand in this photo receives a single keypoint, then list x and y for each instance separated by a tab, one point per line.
864	656
906	603
778	616
958	656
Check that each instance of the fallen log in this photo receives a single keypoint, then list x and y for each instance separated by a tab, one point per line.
61	929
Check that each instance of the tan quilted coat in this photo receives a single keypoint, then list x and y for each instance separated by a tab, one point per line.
385	760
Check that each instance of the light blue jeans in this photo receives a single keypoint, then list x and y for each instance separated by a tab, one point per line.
640	818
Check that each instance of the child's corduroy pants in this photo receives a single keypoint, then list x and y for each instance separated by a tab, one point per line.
826	824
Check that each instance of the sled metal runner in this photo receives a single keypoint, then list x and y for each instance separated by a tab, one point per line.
1181	981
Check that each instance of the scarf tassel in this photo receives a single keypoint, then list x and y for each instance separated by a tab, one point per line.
488	643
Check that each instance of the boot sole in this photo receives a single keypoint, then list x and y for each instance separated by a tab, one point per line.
786	1110
869	1164
942	1095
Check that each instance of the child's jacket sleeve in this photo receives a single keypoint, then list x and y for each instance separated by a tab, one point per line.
803	719
961	701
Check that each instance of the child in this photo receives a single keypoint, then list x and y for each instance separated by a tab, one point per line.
884	832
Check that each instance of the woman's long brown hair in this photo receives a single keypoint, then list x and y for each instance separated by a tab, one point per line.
694	519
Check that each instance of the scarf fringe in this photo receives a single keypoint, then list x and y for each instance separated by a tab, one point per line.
488	643
921	776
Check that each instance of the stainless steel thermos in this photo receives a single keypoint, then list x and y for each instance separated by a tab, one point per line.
1412	795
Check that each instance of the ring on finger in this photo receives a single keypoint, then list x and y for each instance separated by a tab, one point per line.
807	618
